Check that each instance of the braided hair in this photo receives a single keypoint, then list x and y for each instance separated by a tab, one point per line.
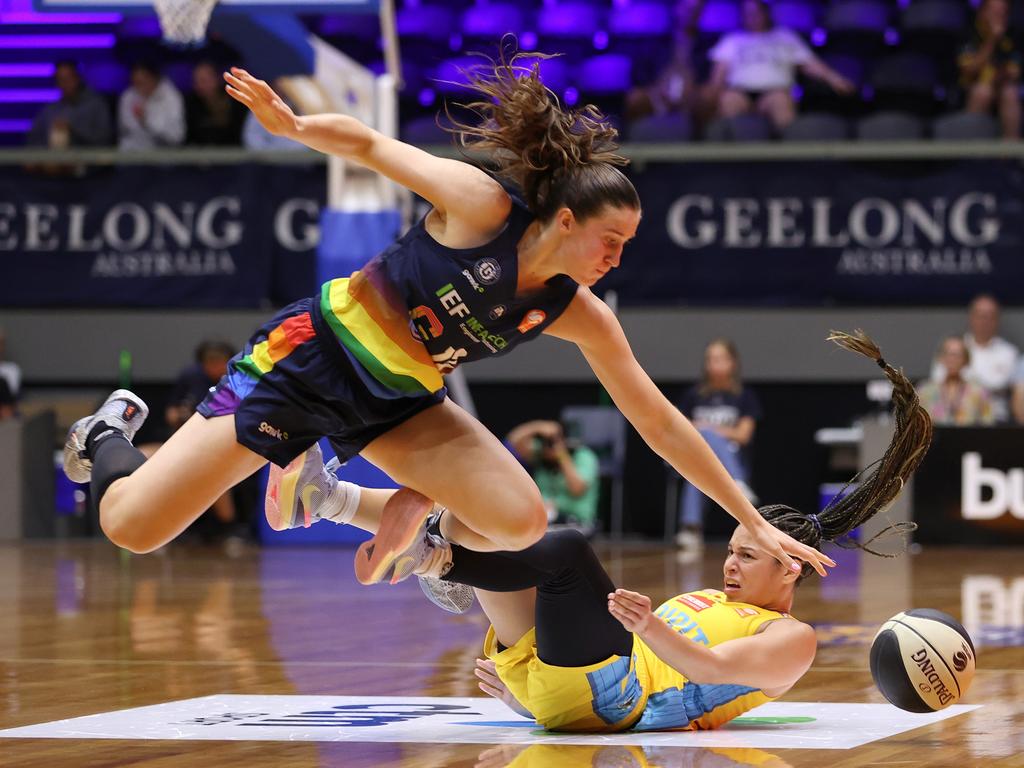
879	489
558	158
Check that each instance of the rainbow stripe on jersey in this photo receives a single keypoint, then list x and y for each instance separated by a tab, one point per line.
371	322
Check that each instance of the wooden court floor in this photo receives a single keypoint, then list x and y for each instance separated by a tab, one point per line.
85	629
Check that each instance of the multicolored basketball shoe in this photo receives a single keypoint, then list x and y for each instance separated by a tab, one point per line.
401	546
123	412
295	493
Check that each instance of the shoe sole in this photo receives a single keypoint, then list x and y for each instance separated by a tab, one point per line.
281	495
400	524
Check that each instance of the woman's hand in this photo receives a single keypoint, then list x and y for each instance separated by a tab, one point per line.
269	108
632	609
785	548
492	685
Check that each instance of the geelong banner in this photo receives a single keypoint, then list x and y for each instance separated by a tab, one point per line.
161	236
825	233
764	233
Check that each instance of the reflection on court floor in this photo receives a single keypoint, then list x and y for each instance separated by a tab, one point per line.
464	720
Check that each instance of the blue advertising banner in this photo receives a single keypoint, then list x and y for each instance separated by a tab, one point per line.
166	236
765	233
825	233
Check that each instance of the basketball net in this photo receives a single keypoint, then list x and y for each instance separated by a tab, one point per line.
183	22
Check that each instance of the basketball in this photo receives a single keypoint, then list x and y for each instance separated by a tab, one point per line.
922	660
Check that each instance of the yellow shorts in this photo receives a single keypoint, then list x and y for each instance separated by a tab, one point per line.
600	698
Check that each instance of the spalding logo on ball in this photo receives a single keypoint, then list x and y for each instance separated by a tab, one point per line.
922	660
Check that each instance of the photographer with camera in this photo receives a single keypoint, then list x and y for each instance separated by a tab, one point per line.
566	472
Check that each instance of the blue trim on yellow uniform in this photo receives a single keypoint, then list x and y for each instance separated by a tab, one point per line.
611	700
678	707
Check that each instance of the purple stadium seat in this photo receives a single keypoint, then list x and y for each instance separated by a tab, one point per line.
719	17
906	81
751	127
798	15
936	27
487	23
890	126
662	129
965	126
609	73
425	130
817	127
857	26
640	20
568	28
425	31
554	73
452	75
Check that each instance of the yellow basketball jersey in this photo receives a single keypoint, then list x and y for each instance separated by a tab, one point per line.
709	618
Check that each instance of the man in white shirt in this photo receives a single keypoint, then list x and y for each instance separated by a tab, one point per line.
755	69
151	113
993	359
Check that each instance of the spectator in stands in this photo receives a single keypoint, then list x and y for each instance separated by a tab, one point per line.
675	89
10	371
193	384
726	412
566	472
993	360
80	118
151	113
1017	404
8	405
213	118
990	67
955	400
754	69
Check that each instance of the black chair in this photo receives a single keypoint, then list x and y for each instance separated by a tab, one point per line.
890	126
965	126
817	127
750	127
906	82
602	428
662	129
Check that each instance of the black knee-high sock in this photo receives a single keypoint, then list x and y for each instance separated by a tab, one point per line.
574	627
113	457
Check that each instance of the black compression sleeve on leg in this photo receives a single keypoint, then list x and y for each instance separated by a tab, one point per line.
574	627
113	458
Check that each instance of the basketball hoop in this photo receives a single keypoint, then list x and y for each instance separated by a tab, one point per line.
183	22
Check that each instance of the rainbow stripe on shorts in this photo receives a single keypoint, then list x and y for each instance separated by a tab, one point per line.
371	322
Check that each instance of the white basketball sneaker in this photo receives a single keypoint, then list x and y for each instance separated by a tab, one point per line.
123	412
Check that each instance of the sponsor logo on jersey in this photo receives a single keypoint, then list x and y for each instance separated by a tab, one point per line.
532	319
497	311
746	611
487	271
696	602
267	429
475	285
423	324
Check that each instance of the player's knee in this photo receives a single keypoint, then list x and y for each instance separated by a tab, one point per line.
524	526
116	528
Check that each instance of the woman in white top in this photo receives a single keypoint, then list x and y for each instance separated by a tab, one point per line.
151	113
754	69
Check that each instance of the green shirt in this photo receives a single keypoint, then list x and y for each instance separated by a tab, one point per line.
582	508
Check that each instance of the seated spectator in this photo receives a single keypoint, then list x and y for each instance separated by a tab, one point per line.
8	408
80	118
754	69
990	67
675	89
1017	393
955	401
725	411
10	371
151	113
993	360
565	471
194	382
213	117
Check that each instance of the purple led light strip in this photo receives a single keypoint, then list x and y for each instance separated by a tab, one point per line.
56	41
